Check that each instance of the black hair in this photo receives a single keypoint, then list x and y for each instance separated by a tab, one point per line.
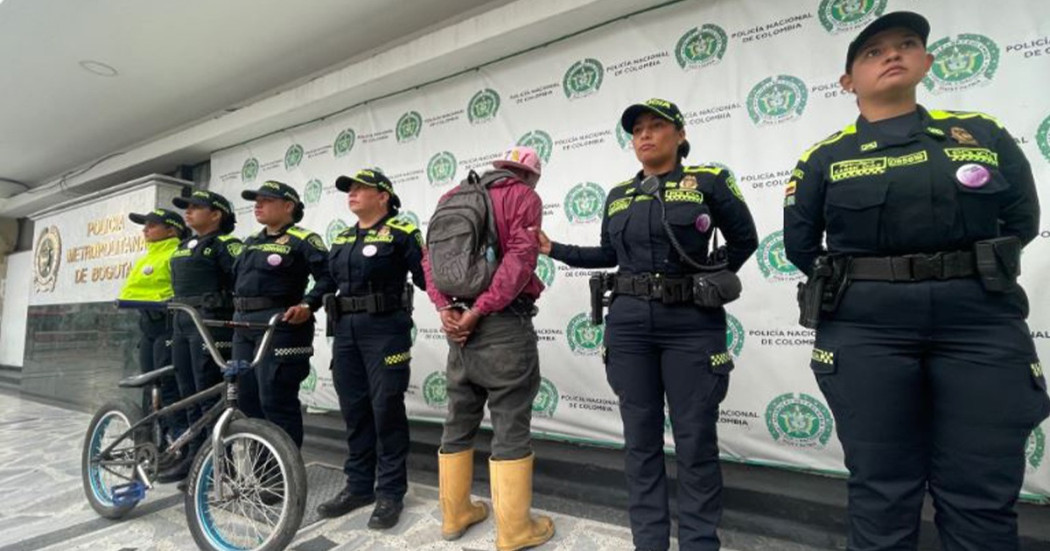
683	149
228	223
297	214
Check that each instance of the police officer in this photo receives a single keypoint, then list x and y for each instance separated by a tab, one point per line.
202	277
660	341
271	277
922	349
372	324
150	281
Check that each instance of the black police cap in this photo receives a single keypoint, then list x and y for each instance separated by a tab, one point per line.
203	198
659	107
895	20
273	189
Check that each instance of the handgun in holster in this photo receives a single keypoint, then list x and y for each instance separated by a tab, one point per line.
998	262
823	290
601	285
406	298
331	311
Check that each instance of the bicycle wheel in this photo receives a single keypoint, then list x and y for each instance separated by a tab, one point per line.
264	497
109	422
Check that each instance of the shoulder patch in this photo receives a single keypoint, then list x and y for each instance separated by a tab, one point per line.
624	183
713	170
401	225
316	241
301	233
235	248
227	237
939	115
851	129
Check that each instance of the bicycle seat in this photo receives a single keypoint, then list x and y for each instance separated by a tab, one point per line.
139	381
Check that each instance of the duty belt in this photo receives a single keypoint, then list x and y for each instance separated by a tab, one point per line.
375	303
654	286
252	304
914	267
211	301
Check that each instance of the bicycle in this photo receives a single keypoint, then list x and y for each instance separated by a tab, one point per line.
252	499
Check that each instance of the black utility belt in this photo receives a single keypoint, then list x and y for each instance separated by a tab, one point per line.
254	304
375	303
914	267
207	301
711	289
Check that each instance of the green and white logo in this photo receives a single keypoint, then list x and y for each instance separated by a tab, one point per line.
734	335
546	401
545	270
540	141
344	142
408	126
293	156
777	99
312	192
335	227
408	216
309	384
584	203
584	337
701	46
840	16
969	60
623	137
414	333
583	78
441	169
250	169
483	106
1042	137
435	390
1035	449
799	420
772	259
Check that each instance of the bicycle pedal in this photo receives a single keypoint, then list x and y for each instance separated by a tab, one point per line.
126	495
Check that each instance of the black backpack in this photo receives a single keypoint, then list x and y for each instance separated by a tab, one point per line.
462	244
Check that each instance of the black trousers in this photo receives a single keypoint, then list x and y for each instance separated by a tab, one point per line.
370	370
675	352
933	389
154	353
195	369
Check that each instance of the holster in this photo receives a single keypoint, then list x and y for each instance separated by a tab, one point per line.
716	289
998	263
823	290
601	285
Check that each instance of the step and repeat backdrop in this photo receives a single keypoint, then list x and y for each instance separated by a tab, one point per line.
758	82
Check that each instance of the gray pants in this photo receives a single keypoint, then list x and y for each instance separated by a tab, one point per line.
500	363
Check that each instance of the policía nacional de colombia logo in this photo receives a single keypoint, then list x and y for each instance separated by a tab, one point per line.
309	384
408	217
540	141
545	270
483	106
799	420
839	16
441	169
46	259
435	390
546	401
293	156
1042	137
1035	449
772	259
250	169
701	46
312	192
963	62
344	142
584	337
623	137
584	203
734	335
777	99
335	227
583	78
408	127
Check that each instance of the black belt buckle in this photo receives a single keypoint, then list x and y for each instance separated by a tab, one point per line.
925	267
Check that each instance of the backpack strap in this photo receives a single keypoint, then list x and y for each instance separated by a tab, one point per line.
484	181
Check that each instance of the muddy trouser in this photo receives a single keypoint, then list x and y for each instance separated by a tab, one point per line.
370	371
195	369
271	390
155	353
677	352
935	386
499	364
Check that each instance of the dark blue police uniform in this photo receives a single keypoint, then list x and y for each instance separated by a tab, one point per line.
657	344
922	349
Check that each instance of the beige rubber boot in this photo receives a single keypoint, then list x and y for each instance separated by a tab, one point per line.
458	512
516	527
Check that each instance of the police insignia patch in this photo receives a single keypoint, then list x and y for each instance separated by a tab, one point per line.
316	241
689	182
235	248
283	240
962	136
384	231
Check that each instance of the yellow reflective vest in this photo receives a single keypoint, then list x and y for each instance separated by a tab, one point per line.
150	278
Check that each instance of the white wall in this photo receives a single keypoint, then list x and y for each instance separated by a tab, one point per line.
16	289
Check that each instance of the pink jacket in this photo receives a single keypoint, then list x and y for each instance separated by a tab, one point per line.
517	207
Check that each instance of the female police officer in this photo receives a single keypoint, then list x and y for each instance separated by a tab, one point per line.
201	276
659	339
927	362
372	325
272	274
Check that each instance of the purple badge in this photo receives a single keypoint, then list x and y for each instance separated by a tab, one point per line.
972	175
703	223
274	259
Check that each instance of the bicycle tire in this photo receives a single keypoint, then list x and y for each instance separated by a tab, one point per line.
97	487
277	470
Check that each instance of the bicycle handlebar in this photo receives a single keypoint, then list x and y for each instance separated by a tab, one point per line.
209	342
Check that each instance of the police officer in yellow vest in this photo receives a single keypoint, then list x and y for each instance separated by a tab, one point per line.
150	281
910	224
272	276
